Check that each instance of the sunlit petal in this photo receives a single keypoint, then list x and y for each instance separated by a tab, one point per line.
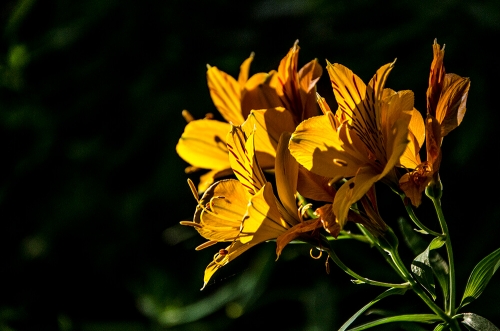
268	125
286	171
243	159
226	95
317	147
351	191
221	210
244	71
263	220
203	144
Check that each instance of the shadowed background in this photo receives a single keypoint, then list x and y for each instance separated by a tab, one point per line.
92	191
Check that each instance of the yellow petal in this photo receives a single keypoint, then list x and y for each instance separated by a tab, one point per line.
226	95
263	220
349	92
203	144
244	71
209	178
308	77
416	136
221	210
315	187
351	191
269	124
243	159
260	93
317	147
288	87
230	253
397	142
287	172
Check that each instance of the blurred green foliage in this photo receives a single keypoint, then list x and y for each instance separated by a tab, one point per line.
91	190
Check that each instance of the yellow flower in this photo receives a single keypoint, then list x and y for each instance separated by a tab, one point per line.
245	212
203	142
277	102
364	140
446	101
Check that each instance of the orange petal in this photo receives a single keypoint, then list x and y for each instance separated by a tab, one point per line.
296	232
436	78
450	109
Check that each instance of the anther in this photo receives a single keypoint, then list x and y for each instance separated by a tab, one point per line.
340	162
315	257
187	116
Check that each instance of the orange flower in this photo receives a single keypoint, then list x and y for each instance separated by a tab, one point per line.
446	101
277	100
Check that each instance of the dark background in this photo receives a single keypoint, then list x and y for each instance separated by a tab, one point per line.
92	191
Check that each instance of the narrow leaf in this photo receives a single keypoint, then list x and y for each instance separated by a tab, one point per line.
422	318
390	291
441	327
478	323
480	277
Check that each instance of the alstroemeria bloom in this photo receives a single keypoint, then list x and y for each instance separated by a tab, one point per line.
446	105
278	101
246	212
363	141
203	142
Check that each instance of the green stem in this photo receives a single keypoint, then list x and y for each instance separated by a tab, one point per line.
414	218
361	279
380	249
421	293
444	227
348	235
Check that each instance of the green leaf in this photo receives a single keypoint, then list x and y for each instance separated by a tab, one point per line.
478	323
422	318
480	277
417	244
441	271
390	291
422	269
441	327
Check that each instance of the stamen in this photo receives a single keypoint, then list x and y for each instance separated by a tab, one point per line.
315	257
223	252
211	205
303	210
340	162
193	190
205	245
189	223
327	264
187	116
220	264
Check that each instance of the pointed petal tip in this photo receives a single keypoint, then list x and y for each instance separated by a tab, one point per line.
204	284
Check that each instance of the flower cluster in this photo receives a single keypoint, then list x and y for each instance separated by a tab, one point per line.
282	146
